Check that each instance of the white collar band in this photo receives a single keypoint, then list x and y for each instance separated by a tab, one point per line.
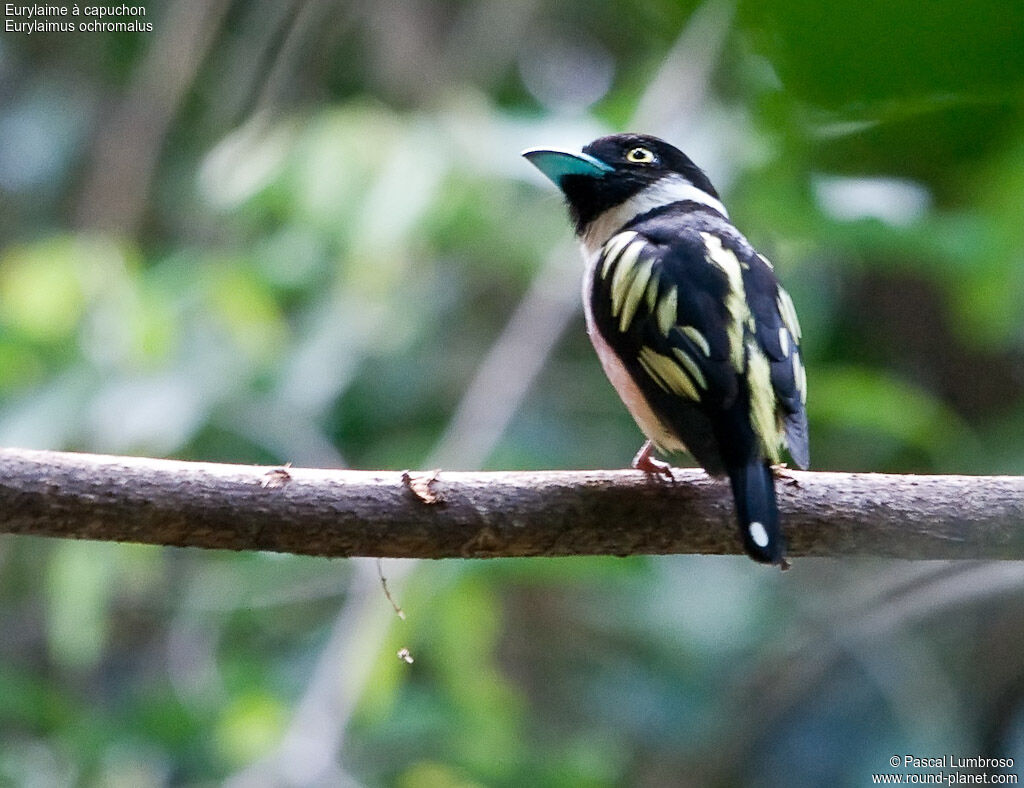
668	190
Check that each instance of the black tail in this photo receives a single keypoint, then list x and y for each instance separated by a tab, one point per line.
753	488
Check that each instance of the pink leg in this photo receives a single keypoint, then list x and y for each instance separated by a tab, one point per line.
780	471
644	462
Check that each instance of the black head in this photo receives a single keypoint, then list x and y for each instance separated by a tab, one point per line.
611	170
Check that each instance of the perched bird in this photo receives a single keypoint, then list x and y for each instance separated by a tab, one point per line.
691	325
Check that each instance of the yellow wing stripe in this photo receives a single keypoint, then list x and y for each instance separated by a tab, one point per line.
613	248
691	366
631	300
788	312
800	374
784	341
625	271
668	374
763	416
735	299
652	294
697	338
667	311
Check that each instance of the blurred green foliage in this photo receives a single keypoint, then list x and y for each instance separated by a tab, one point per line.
292	232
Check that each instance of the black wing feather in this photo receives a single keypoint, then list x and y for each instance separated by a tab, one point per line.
719	420
698	305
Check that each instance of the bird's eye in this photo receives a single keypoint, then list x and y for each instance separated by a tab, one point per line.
640	156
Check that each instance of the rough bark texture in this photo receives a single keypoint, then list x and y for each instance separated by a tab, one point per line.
479	515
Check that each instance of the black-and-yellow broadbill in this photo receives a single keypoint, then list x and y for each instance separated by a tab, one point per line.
690	323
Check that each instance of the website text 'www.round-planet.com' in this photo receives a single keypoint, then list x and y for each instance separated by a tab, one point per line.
947	770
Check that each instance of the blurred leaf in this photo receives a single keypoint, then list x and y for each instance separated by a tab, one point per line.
79	590
434	775
249	311
41	292
874	403
249	726
29	702
864	51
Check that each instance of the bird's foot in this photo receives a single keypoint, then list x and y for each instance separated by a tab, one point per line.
643	461
781	471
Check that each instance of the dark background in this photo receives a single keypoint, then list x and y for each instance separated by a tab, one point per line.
270	232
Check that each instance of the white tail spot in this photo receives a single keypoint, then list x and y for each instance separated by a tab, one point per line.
758	534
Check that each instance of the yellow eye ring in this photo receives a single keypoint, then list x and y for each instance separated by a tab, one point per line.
640	156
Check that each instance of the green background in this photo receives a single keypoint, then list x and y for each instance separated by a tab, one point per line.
271	232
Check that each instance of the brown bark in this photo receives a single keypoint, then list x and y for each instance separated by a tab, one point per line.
477	515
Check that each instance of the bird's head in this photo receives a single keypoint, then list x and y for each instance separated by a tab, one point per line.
637	172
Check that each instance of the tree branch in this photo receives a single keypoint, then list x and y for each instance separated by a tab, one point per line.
477	515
